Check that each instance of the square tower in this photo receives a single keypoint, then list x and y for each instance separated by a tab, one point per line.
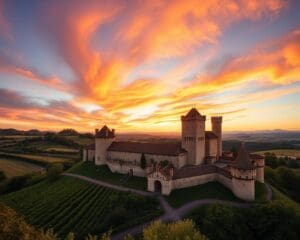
103	139
193	136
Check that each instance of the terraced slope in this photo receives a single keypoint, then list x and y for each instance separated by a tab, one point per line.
71	205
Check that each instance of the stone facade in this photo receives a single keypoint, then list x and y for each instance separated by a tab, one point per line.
196	160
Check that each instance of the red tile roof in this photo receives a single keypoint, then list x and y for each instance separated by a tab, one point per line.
193	114
193	171
210	135
168	149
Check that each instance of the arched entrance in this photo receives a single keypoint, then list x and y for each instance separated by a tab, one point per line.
157	186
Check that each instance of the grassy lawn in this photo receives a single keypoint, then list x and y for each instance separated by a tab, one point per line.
260	192
14	168
72	205
278	195
103	173
283	152
209	190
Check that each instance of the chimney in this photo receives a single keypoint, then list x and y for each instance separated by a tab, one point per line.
96	130
113	132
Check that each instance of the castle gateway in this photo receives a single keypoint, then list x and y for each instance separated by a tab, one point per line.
197	159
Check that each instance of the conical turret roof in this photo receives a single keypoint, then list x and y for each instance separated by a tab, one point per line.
243	161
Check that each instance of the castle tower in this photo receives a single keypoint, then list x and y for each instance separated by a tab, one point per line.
216	127
243	176
103	140
193	136
259	163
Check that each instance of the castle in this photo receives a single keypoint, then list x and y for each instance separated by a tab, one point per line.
197	159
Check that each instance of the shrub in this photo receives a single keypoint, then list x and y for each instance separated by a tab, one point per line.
14	227
2	176
179	230
143	161
54	171
164	163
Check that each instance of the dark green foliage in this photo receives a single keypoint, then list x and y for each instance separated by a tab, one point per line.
72	205
13	184
265	221
164	163
2	176
180	230
285	179
143	161
61	140
68	132
13	227
16	183
292	163
234	151
209	190
54	170
271	160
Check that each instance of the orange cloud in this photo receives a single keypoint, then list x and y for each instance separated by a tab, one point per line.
154	31
280	65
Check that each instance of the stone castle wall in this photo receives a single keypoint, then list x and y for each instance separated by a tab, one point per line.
127	168
135	158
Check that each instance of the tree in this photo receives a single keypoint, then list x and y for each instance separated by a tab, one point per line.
143	161
2	176
178	230
68	132
271	160
54	170
234	151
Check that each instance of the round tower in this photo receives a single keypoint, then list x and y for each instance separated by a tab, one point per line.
243	176
103	139
193	136
216	127
259	163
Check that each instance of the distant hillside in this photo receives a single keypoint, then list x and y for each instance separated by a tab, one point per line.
12	131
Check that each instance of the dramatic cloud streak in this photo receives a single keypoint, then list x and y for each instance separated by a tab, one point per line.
139	65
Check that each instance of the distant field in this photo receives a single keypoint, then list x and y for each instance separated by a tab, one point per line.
83	141
36	158
73	205
283	152
50	146
14	168
18	136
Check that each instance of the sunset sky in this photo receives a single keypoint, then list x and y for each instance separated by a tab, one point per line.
139	65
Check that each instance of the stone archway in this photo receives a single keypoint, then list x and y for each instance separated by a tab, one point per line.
157	186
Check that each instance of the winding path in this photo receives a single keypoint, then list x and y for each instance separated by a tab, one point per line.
170	214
